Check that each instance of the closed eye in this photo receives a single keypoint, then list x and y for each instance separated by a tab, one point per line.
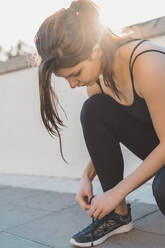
78	73
75	75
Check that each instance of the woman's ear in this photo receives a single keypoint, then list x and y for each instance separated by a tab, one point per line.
96	52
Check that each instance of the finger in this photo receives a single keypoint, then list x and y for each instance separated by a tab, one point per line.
83	204
101	215
91	211
84	199
86	207
96	213
86	204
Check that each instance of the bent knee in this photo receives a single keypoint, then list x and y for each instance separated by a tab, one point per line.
158	189
92	108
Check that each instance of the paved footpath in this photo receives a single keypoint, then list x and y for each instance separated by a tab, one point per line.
41	212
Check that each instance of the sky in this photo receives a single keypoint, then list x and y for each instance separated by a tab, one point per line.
20	19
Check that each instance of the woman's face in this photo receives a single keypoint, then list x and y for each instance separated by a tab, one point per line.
83	74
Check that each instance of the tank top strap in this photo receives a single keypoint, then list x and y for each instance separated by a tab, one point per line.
131	64
98	81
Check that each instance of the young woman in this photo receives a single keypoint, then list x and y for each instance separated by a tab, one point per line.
125	81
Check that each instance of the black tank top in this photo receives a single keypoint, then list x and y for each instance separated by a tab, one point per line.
138	108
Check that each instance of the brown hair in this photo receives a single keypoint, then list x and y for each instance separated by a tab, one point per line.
65	39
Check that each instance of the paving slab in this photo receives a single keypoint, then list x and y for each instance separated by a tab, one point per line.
3	187
40	199
49	200
15	194
137	239
140	209
38	218
11	216
154	223
12	241
56	228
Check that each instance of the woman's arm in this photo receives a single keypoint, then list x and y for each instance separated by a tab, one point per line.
89	171
109	200
151	81
151	84
144	172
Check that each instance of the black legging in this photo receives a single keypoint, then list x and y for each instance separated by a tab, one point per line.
104	125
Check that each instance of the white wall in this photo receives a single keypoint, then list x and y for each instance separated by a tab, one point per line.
159	40
25	145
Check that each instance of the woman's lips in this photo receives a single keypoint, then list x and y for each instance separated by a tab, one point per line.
81	85
85	84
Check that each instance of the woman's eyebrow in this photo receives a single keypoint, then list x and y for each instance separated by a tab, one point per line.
74	73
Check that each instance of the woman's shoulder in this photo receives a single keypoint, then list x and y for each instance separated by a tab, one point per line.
147	60
145	50
143	60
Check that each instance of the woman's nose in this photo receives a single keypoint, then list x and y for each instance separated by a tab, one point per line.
73	83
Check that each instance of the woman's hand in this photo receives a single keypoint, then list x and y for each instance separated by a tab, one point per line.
85	193
104	203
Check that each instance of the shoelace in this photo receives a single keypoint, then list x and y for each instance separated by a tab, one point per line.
93	220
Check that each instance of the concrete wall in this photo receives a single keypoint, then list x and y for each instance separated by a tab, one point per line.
26	147
159	40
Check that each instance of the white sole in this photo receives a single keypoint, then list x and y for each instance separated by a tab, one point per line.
121	229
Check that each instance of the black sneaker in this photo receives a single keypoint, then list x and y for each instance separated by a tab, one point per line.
98	231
